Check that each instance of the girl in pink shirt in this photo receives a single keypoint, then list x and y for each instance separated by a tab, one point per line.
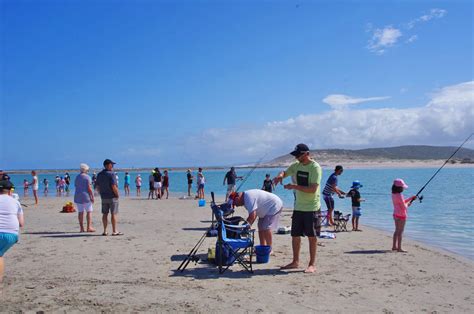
400	206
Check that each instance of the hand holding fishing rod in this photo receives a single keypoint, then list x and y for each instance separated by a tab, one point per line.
420	197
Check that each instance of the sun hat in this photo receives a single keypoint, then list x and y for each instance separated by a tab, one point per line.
400	183
299	150
356	184
84	167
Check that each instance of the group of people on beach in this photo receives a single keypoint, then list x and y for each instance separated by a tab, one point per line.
305	175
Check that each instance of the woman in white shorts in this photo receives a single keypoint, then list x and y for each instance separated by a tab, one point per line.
84	198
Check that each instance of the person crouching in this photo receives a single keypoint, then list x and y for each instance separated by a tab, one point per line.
266	206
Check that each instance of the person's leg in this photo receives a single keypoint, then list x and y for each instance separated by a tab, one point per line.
167	193
113	219
395	235
2	269
81	221
400	234
295	245
357	224
189	189
104	223
313	242
265	237
89	222
353	222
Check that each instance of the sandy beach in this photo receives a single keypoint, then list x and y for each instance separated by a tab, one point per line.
56	268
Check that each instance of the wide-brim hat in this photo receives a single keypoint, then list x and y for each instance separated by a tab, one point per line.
356	185
400	183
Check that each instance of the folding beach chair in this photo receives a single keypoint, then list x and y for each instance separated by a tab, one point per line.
340	221
323	216
234	242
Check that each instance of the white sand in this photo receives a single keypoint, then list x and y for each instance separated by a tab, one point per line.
55	268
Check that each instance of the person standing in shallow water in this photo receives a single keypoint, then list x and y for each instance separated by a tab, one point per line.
305	220
190	178
35	186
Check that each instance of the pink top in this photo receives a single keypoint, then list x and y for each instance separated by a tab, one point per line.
400	205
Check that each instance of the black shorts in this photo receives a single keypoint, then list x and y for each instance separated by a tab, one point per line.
305	224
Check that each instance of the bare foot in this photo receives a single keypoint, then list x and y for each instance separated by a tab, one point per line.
394	249
310	269
291	265
91	230
402	251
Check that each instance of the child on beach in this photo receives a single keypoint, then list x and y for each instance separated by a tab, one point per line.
138	184
200	183
268	184
356	199
400	206
26	185
166	184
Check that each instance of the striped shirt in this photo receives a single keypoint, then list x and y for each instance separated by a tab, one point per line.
332	181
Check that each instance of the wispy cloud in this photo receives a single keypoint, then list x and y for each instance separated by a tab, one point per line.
383	38
432	14
339	101
443	120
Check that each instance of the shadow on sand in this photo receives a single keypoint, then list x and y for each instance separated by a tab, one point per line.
368	252
206	270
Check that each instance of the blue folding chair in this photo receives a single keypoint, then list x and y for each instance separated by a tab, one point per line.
234	242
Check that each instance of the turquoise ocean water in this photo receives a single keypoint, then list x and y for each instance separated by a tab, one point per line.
445	218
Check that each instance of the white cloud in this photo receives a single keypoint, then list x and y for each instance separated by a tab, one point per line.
412	39
339	101
444	120
383	39
432	14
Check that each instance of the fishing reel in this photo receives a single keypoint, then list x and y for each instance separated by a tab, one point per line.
420	198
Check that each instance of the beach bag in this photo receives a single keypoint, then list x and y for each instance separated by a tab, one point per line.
68	208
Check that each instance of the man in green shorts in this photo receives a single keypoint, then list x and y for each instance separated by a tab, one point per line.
305	219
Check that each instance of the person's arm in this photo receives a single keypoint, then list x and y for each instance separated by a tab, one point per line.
91	193
338	190
410	200
252	216
312	188
115	190
225	179
279	178
21	220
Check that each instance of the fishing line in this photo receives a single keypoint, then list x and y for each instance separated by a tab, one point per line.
434	175
251	171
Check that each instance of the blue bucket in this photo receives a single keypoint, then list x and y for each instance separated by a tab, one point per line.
263	253
202	202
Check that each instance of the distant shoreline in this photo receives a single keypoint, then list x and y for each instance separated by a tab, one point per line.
326	164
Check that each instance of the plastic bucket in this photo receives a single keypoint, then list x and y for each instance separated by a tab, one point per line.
263	253
202	202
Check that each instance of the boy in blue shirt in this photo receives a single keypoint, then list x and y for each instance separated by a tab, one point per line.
356	199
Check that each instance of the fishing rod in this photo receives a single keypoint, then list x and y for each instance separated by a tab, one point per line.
251	171
420	197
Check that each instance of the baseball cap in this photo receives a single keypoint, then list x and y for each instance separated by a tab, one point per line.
400	183
108	161
6	185
299	150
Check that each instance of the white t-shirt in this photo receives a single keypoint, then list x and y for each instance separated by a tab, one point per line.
263	202
35	183
9	210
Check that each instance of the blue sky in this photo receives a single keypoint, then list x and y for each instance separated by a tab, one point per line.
178	83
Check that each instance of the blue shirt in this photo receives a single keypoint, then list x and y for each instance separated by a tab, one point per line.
328	189
105	181
81	194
